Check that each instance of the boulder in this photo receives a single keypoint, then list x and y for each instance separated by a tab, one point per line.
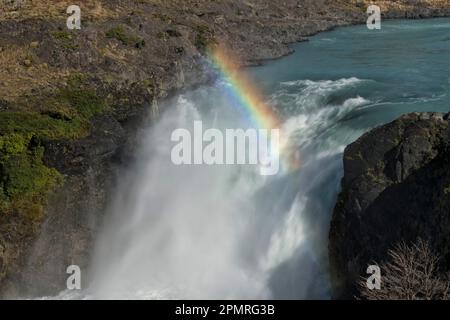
396	187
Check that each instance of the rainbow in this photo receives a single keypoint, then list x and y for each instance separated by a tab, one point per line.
251	100
243	90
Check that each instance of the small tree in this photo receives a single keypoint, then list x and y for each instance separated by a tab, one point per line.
410	274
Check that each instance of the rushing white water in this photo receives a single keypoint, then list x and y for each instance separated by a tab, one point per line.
223	232
227	232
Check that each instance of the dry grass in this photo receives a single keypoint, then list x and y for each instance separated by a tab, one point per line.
18	78
29	76
25	9
104	9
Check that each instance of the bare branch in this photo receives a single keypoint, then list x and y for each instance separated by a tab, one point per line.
410	274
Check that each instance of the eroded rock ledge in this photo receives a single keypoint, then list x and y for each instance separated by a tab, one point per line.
396	187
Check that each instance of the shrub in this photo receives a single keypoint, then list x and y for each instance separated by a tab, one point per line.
410	274
66	39
204	38
25	181
119	34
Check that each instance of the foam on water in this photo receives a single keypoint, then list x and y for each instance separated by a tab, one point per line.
176	232
225	231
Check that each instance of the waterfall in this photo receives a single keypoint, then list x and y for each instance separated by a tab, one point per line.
224	231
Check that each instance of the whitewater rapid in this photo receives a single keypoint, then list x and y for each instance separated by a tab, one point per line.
225	232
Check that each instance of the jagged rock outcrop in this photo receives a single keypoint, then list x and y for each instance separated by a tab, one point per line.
396	187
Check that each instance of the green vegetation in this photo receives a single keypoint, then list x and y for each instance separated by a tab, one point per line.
163	17
119	33
204	38
375	176
66	39
170	33
25	181
85	102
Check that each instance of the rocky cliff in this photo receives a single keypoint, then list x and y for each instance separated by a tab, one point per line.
71	103
396	188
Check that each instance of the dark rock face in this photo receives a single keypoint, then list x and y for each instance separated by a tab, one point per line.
66	236
396	187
